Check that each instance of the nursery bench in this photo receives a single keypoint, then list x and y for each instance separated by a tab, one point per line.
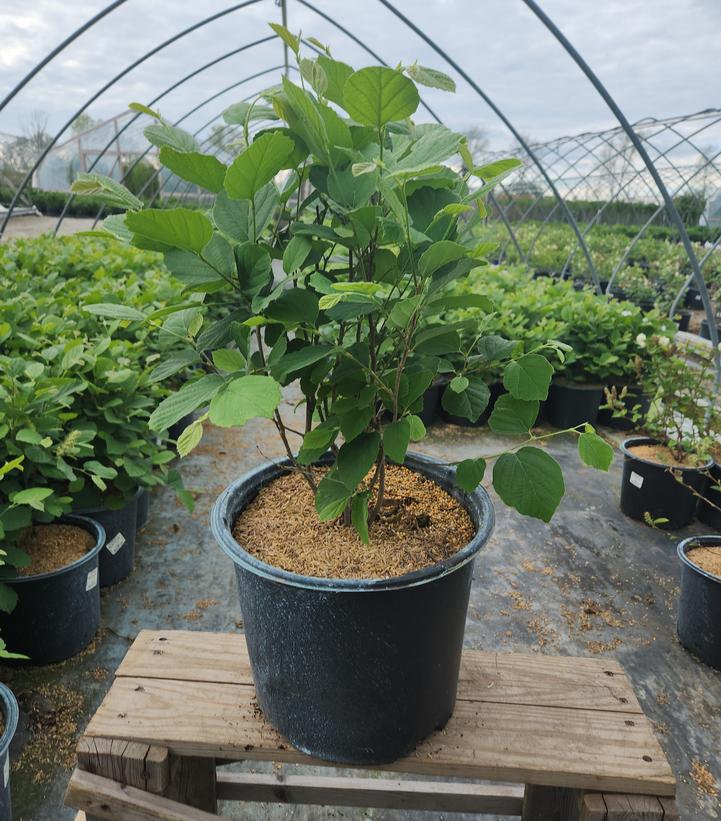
569	731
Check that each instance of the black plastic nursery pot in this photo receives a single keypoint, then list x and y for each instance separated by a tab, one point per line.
57	613
570	404
634	396
705	330
495	389
142	507
9	707
354	671
683	318
657	490
699	607
693	300
432	403
708	510
118	556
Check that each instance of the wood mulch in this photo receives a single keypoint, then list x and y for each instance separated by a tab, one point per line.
419	525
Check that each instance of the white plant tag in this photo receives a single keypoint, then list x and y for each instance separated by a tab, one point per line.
6	771
92	580
116	543
635	479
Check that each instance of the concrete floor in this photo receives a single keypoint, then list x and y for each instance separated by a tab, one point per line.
33	226
590	583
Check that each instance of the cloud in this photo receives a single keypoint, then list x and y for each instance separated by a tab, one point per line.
657	59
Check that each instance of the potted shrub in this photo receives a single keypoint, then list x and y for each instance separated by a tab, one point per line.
699	608
664	472
354	641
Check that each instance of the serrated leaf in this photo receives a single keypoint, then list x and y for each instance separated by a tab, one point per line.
418	429
528	377
511	415
176	227
594	451
336	74
107	189
257	165
162	133
376	95
469	474
530	481
458	384
431	77
189	438
201	169
289	39
228	359
244	398
396	438
184	401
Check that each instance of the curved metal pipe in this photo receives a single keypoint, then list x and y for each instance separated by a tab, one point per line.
61	47
108	85
509	125
670	205
167	91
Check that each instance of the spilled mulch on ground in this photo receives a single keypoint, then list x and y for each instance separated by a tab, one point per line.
419	525
703	778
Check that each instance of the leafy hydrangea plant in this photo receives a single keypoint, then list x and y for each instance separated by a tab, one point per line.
332	240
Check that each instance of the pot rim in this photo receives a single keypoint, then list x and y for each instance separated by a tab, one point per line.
11	714
650	440
86	523
698	541
478	504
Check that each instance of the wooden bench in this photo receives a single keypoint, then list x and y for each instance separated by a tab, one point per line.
569	731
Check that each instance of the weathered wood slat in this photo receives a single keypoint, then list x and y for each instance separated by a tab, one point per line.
551	681
589	749
103	798
384	793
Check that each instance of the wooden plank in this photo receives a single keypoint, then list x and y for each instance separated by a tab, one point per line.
192	782
379	793
632	808
670	809
128	762
104	798
591	807
553	681
518	743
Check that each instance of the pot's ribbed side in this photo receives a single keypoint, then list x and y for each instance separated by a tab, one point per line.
699	610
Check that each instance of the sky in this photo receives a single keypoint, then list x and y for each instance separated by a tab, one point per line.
657	57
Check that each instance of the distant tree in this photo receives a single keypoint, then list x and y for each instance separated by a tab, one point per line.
21	153
83	122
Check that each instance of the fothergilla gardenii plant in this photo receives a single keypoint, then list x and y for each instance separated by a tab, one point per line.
338	278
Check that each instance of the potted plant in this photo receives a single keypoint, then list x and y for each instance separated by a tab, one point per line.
699	608
355	656
664	472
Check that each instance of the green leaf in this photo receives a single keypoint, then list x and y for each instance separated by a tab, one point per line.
228	359
297	360
295	306
296	253
289	39
245	398
449	302
184	401
511	415
458	384
470	403
396	438
530	481
144	109
403	310
314	74
254	268
359	515
439	254
376	95
469	474
113	311
356	458
189	438
237	113
428	152
162	133
111	192
233	217
331	498
201	169
528	377
104	471
32	496
316	442
594	451
257	165
431	77
336	74
418	429
8	600
496	171
177	227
